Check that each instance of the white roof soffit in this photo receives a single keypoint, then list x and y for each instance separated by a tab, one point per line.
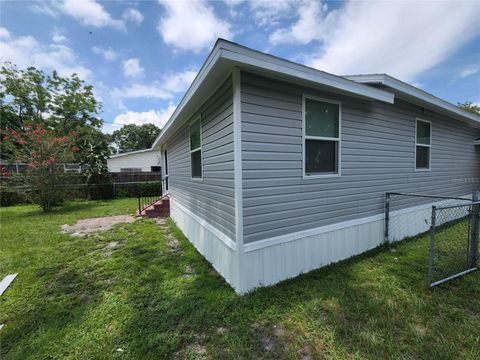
130	153
226	55
417	96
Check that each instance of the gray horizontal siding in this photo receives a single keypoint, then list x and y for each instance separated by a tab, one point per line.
213	197
377	155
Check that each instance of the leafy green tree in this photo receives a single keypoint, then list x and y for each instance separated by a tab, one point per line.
93	149
134	137
63	105
470	107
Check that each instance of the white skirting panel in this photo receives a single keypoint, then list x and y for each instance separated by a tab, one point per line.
287	259
212	244
270	261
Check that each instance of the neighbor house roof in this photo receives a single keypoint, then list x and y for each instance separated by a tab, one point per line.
131	153
414	95
225	55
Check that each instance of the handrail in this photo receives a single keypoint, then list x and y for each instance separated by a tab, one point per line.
146	200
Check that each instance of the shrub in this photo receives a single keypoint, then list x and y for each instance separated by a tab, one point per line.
43	152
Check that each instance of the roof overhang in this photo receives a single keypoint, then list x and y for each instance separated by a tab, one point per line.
131	153
227	55
416	96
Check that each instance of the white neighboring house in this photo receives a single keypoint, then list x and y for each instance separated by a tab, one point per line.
146	160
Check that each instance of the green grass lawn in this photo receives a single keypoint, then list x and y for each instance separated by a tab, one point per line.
138	289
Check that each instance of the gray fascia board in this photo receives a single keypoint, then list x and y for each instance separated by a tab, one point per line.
270	63
242	56
420	95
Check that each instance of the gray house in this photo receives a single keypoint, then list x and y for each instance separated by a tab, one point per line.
275	168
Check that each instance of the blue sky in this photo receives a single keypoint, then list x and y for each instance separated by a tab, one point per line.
141	56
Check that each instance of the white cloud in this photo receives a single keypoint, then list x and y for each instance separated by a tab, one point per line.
398	38
179	82
87	12
164	90
132	68
265	13
268	13
133	15
154	91
307	28
58	38
189	25
468	71
26	51
4	33
108	54
45	7
158	118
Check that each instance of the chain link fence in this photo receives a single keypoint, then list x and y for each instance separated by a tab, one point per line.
408	215
453	248
451	223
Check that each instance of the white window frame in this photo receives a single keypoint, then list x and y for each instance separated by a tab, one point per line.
309	137
199	119
424	145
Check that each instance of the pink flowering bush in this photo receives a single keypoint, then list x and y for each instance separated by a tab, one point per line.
44	154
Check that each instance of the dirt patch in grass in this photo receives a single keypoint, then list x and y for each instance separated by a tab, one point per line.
172	242
87	226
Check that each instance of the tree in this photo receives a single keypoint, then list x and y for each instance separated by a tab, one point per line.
44	153
93	147
61	105
134	137
470	107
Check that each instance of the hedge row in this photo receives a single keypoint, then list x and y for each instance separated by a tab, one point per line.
10	195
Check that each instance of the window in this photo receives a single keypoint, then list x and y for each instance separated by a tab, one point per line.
196	149
423	133
155	168
321	140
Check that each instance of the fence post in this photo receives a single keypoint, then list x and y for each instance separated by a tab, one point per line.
387	216
139	200
474	231
431	247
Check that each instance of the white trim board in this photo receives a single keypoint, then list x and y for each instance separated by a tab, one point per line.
223	237
209	242
238	177
336	226
260	244
5	283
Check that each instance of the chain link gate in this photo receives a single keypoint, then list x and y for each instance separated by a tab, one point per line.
453	250
452	224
